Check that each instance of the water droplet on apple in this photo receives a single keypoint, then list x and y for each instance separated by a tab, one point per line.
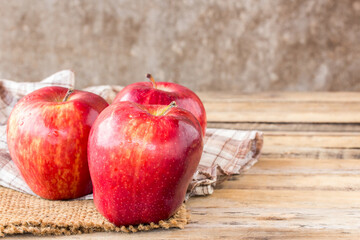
21	123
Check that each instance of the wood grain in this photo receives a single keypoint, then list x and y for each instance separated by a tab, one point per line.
306	185
347	97
283	107
288	126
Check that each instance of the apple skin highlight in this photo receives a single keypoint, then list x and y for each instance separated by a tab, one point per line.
141	162
163	93
47	137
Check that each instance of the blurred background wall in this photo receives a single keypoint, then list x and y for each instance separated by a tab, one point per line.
239	45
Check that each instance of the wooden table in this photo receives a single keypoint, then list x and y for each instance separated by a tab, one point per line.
305	185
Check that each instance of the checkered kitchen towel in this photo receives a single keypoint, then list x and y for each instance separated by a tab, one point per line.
226	152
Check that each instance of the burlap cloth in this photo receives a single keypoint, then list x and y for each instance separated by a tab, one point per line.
21	213
226	152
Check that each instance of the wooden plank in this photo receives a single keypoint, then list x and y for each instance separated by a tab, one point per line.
314	141
309	152
283	107
287	107
313	145
282	127
295	117
288	218
280	97
308	133
268	198
302	174
311	182
305	166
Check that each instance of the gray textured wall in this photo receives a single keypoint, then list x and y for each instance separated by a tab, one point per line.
206	45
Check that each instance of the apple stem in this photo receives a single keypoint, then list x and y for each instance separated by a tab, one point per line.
68	93
151	79
167	109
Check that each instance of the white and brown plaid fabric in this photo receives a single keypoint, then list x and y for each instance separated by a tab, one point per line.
226	152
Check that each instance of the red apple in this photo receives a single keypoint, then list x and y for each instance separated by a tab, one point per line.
142	159
47	135
163	93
